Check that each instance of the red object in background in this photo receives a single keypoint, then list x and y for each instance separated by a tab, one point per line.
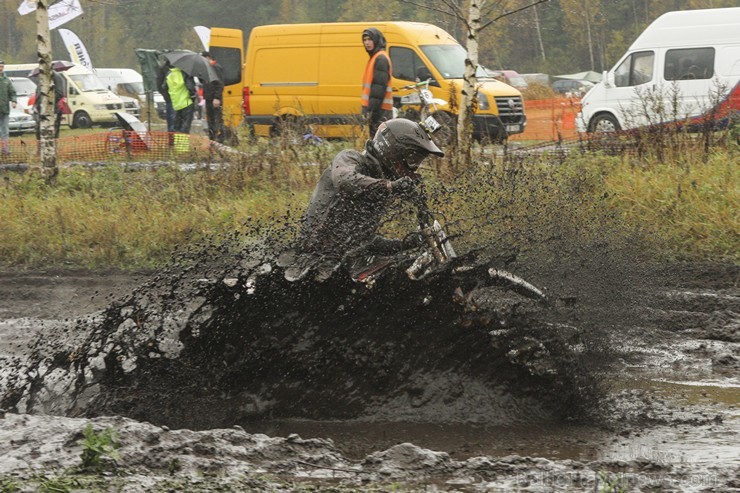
63	107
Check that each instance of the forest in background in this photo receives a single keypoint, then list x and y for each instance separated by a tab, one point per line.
560	36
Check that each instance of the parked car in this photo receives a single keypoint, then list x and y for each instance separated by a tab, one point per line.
572	87
24	89
20	122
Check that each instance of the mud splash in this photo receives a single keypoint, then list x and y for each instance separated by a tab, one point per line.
187	350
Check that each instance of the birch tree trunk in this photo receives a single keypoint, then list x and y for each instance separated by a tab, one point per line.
46	142
467	102
539	33
588	31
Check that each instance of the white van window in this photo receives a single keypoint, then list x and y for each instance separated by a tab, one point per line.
407	65
87	82
689	64
636	69
23	86
131	87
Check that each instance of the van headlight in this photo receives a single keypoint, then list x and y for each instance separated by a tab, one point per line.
483	102
100	106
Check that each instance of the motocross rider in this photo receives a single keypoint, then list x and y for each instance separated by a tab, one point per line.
351	197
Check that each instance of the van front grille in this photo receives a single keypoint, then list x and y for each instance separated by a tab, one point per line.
114	106
510	109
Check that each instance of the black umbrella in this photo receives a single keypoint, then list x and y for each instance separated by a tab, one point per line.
192	64
56	65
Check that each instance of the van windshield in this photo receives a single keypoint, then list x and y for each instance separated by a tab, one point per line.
449	60
23	86
87	82
132	87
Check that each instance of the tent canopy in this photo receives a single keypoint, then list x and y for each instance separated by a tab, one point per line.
588	75
149	60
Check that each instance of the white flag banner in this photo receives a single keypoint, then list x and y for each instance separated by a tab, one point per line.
63	12
204	34
76	49
27	6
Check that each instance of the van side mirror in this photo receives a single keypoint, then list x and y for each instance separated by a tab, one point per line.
607	78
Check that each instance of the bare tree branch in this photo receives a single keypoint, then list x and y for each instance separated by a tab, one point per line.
512	12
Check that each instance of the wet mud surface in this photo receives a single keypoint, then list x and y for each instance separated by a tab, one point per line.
629	377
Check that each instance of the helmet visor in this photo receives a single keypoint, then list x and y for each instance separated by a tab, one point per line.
414	157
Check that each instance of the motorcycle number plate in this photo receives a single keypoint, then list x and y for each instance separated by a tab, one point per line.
410	99
431	124
426	96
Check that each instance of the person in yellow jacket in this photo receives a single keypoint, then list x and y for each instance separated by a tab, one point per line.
377	96
181	89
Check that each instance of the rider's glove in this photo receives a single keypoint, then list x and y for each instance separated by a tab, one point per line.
402	186
412	240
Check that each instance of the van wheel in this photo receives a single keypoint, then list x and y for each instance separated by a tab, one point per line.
604	124
81	120
288	126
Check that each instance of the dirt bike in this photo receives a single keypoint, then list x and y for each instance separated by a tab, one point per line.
435	256
421	106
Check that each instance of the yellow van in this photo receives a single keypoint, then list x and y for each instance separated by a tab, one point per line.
314	71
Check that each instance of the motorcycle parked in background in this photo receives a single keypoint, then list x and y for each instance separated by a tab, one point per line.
420	105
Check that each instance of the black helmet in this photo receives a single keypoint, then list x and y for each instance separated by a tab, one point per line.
401	145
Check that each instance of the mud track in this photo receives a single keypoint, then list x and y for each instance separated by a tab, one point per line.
632	371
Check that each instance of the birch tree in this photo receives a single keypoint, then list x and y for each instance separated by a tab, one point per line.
471	14
47	145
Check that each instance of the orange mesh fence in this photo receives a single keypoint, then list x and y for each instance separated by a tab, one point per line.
115	145
549	119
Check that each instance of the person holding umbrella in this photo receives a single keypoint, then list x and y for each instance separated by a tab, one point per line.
181	88
59	86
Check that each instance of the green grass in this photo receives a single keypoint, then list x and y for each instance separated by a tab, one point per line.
107	217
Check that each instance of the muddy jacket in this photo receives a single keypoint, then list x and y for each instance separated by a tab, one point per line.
346	206
7	95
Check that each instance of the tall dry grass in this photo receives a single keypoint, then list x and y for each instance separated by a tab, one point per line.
111	216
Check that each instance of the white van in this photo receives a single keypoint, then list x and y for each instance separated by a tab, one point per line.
129	82
91	103
684	68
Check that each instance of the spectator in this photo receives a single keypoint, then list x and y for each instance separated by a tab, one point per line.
162	70
181	89
213	93
59	86
377	96
7	99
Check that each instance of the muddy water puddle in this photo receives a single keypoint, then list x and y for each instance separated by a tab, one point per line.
712	439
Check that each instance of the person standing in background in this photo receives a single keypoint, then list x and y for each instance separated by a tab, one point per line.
213	94
7	99
59	86
181	89
162	71
377	95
